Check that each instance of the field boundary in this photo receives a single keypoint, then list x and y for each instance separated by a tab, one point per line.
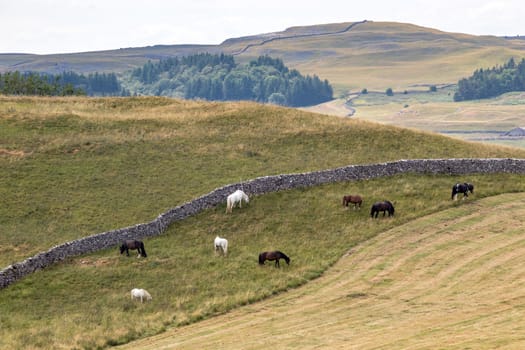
260	185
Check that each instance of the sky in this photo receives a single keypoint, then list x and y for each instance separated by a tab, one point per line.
62	26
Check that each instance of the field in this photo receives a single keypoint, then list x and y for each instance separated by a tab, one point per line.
482	121
451	280
71	167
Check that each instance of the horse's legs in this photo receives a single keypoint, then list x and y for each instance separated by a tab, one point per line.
277	263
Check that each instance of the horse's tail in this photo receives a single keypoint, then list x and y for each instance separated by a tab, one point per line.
143	250
225	247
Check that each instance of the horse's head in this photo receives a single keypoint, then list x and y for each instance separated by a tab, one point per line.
122	248
287	259
262	257
470	187
390	207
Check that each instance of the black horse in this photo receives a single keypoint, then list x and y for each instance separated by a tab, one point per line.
133	244
462	188
384	206
275	255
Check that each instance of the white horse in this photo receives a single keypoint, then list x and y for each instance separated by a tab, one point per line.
141	294
234	198
221	244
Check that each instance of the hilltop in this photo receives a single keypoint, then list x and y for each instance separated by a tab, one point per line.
352	55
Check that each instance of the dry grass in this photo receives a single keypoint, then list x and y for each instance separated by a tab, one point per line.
450	280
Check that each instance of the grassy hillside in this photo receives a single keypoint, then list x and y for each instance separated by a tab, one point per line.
378	55
372	55
451	280
71	167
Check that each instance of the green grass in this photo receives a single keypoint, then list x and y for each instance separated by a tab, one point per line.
76	166
89	295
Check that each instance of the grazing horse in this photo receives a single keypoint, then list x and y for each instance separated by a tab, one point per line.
141	294
462	188
234	198
357	200
133	244
221	244
275	255
384	206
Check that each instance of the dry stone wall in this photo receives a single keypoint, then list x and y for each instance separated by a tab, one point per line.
256	186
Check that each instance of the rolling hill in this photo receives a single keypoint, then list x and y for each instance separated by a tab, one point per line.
71	167
372	55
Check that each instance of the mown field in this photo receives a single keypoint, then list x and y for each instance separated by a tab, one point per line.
449	280
74	166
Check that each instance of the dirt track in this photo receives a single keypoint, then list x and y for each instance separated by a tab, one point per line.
453	280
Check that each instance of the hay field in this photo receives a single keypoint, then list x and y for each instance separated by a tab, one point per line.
453	280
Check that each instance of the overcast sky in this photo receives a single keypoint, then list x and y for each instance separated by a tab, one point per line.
59	26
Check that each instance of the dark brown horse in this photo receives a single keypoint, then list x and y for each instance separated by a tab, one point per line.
384	206
275	255
356	200
133	244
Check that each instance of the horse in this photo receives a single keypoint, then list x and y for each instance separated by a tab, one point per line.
357	200
137	293
133	244
384	206
234	198
221	244
461	188
275	255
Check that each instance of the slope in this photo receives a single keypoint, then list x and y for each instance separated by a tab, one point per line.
451	280
353	55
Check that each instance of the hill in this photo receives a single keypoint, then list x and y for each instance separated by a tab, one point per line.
71	167
373	55
448	280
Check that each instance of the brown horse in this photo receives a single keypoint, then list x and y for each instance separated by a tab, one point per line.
357	200
275	255
133	244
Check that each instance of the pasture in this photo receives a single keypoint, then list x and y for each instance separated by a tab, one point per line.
449	280
84	302
72	167
482	121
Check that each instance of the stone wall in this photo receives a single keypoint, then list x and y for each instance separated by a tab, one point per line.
256	186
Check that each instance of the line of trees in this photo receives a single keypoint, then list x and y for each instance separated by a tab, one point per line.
65	84
218	77
95	84
492	82
16	83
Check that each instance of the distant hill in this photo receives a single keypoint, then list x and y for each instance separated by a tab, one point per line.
352	55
